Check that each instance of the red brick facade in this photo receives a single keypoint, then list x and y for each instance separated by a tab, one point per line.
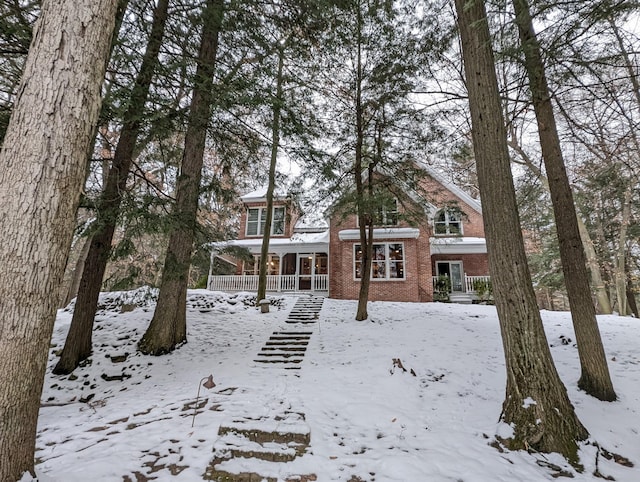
407	277
419	263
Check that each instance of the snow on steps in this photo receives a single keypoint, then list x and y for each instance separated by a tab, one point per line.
253	450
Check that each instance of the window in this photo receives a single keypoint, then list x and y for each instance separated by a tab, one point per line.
448	223
387	261
386	215
253	267
257	218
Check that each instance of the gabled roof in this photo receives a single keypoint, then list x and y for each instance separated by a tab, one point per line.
473	203
260	195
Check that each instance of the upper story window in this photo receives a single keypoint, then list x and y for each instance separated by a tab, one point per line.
447	222
386	215
257	218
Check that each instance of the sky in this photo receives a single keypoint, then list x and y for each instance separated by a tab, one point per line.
412	394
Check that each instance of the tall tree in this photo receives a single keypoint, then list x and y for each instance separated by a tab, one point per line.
378	132
42	165
595	378
536	404
275	141
78	343
168	327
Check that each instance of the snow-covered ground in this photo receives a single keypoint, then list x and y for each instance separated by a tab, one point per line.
128	417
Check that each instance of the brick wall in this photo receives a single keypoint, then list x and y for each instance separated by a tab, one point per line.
472	264
419	264
417	285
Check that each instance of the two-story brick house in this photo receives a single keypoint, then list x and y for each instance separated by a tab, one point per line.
407	259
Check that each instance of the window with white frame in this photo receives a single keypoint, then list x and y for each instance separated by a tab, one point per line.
387	261
257	218
386	215
447	222
253	267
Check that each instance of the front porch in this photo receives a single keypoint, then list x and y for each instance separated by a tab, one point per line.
463	289
293	283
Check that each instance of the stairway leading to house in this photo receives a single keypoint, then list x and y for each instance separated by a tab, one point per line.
259	449
286	348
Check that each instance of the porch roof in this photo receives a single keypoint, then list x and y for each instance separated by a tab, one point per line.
461	245
298	243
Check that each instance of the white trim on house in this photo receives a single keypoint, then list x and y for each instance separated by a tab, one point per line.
380	233
461	245
298	243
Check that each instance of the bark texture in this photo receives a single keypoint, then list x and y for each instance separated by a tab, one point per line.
595	378
42	166
77	346
168	327
536	403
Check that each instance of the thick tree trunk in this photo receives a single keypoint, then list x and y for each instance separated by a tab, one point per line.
275	142
77	346
42	167
536	404
595	378
168	327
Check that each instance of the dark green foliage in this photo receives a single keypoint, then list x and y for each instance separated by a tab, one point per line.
16	22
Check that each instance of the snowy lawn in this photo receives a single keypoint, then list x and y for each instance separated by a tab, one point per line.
413	394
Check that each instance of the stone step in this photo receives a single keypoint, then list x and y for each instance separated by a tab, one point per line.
283	348
243	470
231	445
278	360
287	343
285	428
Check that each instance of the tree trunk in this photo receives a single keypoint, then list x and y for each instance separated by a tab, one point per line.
536	404
364	221
275	141
78	344
74	284
620	272
168	327
42	167
598	283
595	378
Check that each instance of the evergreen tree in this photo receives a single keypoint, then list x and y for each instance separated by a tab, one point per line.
168	327
378	133
78	344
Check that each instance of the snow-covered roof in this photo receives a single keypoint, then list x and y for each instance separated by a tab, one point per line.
298	243
461	245
260	194
312	223
381	233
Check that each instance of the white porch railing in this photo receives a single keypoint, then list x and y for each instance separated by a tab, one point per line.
276	283
468	282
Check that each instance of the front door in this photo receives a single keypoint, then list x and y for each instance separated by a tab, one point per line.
305	271
452	269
